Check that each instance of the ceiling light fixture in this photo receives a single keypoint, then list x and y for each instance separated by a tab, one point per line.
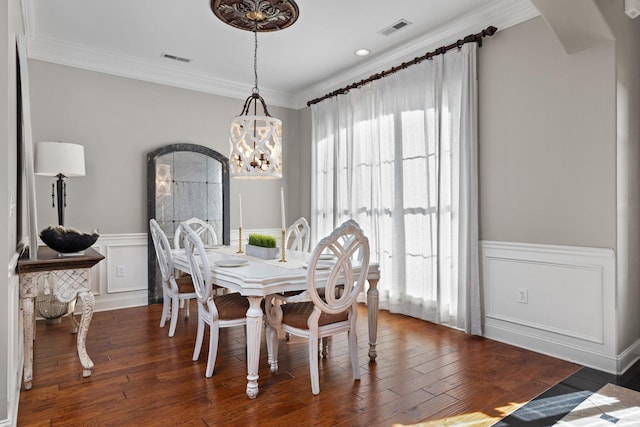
362	52
256	140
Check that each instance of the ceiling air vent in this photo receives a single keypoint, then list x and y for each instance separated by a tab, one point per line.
176	58
395	27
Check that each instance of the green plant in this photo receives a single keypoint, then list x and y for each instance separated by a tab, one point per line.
262	240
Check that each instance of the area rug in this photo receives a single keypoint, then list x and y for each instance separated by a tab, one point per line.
610	406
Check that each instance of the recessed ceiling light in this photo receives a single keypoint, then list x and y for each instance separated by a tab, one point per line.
362	52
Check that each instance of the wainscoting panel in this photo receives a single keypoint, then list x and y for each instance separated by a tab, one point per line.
557	300
120	280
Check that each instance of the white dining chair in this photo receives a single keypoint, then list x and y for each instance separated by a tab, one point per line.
217	311
298	236
203	229
174	289
207	235
331	308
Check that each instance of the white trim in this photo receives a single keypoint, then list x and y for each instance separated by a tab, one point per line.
177	75
528	248
628	357
555	348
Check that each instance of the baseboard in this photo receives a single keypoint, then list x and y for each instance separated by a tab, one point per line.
138	299
628	357
554	348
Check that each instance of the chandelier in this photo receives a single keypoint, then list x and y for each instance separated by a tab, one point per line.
256	140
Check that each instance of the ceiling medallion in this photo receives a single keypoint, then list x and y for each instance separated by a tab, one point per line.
256	15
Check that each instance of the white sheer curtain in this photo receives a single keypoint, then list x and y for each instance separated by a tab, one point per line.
399	156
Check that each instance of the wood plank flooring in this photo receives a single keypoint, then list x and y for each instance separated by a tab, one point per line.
424	373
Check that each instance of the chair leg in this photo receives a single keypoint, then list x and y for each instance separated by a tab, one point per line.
199	338
214	332
175	302
272	347
186	311
165	311
324	347
353	353
313	364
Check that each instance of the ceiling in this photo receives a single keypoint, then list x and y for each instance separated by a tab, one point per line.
312	57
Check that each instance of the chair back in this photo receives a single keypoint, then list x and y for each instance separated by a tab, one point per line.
298	236
350	247
203	229
163	250
198	263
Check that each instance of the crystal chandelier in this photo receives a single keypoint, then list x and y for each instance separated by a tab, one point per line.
256	140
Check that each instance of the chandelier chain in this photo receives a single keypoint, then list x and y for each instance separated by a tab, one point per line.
255	57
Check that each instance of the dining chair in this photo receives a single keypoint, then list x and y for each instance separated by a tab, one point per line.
331	308
298	236
217	311
207	235
203	229
174	289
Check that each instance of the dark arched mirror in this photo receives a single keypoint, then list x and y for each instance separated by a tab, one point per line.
185	181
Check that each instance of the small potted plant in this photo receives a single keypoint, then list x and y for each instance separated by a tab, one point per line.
262	246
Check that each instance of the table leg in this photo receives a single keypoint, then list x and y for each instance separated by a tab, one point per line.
254	329
372	314
88	302
28	328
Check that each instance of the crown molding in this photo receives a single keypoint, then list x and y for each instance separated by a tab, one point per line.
80	56
502	14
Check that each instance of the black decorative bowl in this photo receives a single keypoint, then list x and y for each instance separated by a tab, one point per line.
67	240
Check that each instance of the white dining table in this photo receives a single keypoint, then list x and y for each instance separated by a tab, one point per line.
258	278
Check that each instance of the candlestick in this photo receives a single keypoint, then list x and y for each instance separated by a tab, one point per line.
284	225
240	251
240	200
283	258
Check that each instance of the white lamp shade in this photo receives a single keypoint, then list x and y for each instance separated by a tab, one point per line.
55	158
256	147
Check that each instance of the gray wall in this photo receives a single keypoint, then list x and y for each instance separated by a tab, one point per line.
627	61
546	140
547	126
119	120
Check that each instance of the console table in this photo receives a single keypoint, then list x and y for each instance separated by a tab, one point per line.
69	277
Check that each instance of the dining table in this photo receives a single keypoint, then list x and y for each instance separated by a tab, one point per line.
257	278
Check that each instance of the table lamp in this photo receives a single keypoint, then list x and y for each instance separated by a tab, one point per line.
62	160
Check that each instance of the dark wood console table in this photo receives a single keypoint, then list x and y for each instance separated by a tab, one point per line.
69	276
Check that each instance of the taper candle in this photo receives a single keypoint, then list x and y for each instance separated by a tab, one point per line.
282	207
240	200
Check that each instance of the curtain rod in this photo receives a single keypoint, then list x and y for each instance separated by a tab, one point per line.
471	38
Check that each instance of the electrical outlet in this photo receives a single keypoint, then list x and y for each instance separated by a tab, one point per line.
121	271
523	295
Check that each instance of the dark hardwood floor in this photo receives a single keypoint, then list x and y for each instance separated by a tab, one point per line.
423	373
